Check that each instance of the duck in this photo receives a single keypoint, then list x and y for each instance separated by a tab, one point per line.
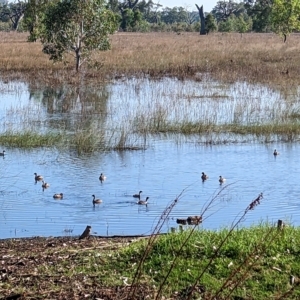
45	184
275	153
221	179
143	202
137	195
102	177
58	196
204	176
194	220
38	177
2	153
96	201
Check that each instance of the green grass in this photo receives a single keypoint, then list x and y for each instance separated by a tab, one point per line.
249	263
253	252
29	139
91	140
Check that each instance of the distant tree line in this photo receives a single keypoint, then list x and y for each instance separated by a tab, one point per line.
280	16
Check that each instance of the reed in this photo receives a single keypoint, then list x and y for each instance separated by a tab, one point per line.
29	139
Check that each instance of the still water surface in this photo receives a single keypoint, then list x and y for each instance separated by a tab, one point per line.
162	171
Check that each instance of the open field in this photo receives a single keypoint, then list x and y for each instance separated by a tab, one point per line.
260	58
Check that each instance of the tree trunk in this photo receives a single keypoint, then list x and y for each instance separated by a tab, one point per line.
77	51
202	20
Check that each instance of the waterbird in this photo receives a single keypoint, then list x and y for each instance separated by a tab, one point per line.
2	153
38	177
96	201
137	195
275	153
143	202
221	179
45	184
102	177
58	196
204	176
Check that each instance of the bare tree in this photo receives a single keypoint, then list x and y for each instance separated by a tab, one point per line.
202	20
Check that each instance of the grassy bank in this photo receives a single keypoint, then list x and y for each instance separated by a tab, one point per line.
228	57
252	263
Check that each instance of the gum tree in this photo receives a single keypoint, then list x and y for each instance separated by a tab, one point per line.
78	27
285	17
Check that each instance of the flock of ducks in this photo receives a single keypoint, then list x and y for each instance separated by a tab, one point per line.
45	185
102	178
95	201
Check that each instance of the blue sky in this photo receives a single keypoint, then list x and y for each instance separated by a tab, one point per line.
190	4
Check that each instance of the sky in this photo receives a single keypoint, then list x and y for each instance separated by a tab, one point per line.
190	4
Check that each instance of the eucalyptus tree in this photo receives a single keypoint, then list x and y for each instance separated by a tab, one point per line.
34	14
260	13
285	17
14	12
78	27
224	9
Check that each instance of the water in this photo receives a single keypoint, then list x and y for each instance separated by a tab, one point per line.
163	171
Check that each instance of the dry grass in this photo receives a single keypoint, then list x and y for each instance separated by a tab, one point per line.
253	57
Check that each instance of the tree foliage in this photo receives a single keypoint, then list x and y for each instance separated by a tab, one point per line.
260	13
78	27
210	23
285	16
13	12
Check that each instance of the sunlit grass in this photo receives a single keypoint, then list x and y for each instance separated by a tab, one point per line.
227	57
30	139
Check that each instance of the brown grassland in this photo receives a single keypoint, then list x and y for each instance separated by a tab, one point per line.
253	57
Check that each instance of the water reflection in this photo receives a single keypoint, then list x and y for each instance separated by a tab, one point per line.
63	108
172	164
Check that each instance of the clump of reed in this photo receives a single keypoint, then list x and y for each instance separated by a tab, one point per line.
29	139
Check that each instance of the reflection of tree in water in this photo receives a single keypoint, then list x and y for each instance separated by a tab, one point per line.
72	108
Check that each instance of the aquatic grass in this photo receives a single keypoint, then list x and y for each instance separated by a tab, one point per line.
29	139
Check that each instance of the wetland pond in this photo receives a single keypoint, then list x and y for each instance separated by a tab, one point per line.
163	166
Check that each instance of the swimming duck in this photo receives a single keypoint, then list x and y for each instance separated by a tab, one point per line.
102	177
2	153
137	195
275	152
143	202
45	184
96	201
204	176
38	177
221	179
58	196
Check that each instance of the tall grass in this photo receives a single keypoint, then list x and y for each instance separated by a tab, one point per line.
227	57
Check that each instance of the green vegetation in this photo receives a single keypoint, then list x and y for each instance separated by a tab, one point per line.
144	16
29	139
285	17
79	27
246	263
